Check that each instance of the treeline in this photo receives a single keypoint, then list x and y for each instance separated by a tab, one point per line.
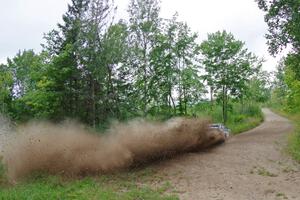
94	69
283	19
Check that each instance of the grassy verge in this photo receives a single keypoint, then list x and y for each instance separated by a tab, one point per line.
293	147
240	117
2	173
294	144
248	124
141	184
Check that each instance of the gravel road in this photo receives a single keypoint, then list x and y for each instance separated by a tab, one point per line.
252	165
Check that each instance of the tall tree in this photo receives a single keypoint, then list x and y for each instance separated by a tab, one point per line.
62	45
292	80
186	50
144	25
283	19
259	87
6	89
25	70
114	59
96	21
163	60
228	66
279	87
76	50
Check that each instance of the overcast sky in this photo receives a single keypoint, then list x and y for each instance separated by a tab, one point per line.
23	22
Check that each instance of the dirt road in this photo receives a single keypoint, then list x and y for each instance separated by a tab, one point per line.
252	165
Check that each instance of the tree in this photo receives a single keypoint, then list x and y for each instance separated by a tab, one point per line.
63	72
228	66
283	19
144	25
114	58
96	22
186	50
23	66
6	89
25	70
292	80
76	50
163	59
176	68
279	87
259	87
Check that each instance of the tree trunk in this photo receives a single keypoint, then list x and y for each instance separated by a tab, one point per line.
185	101
211	98
173	104
93	103
224	104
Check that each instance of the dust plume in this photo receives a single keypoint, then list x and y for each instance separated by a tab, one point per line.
5	129
70	149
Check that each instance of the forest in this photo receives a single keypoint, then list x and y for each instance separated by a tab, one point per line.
95	69
283	19
116	108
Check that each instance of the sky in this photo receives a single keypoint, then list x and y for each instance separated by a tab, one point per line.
24	22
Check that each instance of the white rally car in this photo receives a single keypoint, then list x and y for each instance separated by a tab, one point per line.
221	128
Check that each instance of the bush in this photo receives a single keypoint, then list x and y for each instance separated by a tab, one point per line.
2	172
294	145
240	117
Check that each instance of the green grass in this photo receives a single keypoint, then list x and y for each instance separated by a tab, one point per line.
137	184
2	172
247	124
293	146
141	184
263	172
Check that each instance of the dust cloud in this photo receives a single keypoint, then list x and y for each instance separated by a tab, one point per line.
70	149
5	129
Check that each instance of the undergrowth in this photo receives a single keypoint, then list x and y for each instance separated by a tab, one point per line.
240	117
293	145
141	184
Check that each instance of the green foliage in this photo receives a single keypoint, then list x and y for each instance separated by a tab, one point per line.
286	87
294	144
283	19
241	117
228	66
259	88
2	172
132	185
292	81
95	70
6	82
144	25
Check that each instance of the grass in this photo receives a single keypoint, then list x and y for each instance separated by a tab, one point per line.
241	118
247	124
263	172
140	184
137	184
2	172
293	146
279	194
